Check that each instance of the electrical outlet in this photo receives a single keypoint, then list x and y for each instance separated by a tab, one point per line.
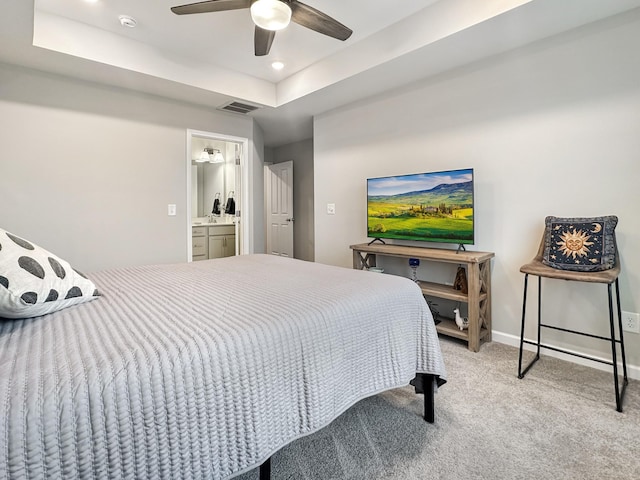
631	322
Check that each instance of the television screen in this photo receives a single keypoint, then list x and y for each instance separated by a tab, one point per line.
431	207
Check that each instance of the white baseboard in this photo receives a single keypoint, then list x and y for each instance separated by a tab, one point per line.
633	371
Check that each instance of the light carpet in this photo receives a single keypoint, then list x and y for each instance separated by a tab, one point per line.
559	422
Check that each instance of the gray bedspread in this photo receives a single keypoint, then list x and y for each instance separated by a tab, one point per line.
202	370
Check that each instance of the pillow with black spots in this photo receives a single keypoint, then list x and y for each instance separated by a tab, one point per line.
35	282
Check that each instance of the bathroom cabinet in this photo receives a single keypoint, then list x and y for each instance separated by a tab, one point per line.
222	241
213	241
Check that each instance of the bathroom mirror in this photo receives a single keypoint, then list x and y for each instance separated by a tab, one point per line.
211	180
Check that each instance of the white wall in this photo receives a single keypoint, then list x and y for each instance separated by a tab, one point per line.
550	129
301	154
87	171
256	187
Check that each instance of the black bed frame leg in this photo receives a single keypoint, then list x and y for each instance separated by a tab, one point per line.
265	470
429	382
424	380
426	384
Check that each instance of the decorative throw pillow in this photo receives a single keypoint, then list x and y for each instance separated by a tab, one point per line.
35	282
580	244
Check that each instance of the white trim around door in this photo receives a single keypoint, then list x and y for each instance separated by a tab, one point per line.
246	214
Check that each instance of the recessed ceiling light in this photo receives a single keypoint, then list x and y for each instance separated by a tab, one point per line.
277	65
91	1
127	21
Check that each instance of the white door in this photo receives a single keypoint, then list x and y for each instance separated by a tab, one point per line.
279	196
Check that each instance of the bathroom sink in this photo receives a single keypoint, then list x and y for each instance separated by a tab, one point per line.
216	221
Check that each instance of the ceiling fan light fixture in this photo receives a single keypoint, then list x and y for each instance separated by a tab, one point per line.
271	14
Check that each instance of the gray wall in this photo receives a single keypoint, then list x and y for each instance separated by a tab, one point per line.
550	129
301	153
88	171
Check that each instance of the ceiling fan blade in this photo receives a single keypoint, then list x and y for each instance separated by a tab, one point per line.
211	6
262	40
316	20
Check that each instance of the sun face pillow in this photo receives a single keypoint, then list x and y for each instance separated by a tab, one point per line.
580	244
35	282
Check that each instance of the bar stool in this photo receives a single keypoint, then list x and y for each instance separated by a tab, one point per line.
541	268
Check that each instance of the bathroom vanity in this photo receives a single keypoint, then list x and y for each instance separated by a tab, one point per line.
213	240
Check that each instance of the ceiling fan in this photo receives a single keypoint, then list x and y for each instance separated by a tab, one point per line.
270	16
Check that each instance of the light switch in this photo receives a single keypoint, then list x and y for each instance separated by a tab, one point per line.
171	210
331	208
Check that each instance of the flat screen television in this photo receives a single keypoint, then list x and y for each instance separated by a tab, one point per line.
428	207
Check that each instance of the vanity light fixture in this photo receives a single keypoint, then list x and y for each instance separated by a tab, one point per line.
271	14
204	156
127	21
217	157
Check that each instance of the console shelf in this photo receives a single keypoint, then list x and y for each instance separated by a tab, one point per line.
478	267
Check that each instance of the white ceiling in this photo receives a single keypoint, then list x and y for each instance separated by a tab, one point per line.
208	58
226	38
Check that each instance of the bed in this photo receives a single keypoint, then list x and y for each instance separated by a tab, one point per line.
204	369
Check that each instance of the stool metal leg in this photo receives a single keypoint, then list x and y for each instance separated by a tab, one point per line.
539	314
619	391
619	394
524	309
522	373
624	358
613	350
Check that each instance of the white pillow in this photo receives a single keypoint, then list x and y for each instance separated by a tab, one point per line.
35	282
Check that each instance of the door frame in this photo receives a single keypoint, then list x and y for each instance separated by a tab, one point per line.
246	214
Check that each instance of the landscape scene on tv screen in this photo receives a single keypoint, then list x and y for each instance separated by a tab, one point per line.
434	207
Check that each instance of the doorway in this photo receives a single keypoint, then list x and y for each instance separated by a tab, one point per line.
218	169
279	208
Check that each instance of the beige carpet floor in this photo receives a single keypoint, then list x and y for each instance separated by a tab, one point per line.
559	422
